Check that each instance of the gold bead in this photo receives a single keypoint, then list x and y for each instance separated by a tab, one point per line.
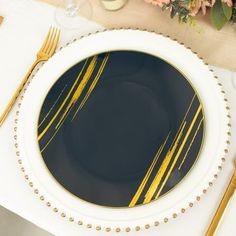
55	209
156	223
147	226
117	230
63	215
80	222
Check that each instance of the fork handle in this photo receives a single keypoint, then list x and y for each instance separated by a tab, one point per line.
17	92
223	204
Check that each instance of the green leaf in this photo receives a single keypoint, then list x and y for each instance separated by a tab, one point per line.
174	11
227	10
234	15
164	7
218	17
186	2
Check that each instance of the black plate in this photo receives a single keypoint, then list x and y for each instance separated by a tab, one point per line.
121	129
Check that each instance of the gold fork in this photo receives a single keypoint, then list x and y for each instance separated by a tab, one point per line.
47	50
223	204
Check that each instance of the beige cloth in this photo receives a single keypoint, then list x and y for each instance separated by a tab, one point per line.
215	47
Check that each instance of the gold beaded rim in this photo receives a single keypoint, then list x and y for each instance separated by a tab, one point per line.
138	227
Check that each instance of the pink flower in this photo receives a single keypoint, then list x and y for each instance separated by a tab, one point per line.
159	3
228	2
197	5
204	6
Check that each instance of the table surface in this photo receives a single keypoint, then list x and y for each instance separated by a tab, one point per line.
21	34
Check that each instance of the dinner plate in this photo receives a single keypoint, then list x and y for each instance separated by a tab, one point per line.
121	130
112	132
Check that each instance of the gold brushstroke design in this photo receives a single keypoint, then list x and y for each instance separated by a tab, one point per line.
170	153
184	118
191	143
49	141
79	89
63	103
51	108
58	127
92	86
148	174
180	150
153	187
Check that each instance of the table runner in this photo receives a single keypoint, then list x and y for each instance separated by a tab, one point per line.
216	47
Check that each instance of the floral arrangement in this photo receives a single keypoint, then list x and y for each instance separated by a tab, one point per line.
221	11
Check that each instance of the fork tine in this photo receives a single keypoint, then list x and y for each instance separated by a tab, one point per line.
53	48
46	39
50	40
55	42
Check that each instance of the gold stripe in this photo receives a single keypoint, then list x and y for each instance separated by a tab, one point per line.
179	151
54	104
91	88
58	127
148	174
79	89
153	187
189	107
191	143
85	79
49	141
62	105
168	157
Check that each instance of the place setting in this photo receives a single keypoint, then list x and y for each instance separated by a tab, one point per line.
120	130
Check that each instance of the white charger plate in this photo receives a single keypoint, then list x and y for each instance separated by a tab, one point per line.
188	191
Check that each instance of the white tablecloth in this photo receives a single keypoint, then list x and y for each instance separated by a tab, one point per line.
24	28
